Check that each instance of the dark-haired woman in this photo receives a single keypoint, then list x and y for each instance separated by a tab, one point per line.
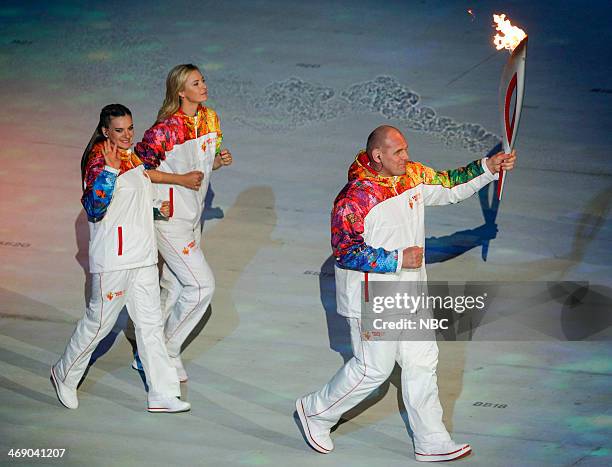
117	197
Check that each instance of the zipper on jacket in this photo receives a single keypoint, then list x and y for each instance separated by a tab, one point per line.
170	202
120	237
197	154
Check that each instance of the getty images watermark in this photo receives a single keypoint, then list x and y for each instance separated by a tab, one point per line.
486	311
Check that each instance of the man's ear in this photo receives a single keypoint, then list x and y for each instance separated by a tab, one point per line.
376	155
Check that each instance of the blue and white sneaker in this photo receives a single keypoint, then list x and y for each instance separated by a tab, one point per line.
137	364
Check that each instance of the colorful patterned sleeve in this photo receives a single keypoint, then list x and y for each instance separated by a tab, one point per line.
214	125
348	245
99	186
156	141
452	186
219	134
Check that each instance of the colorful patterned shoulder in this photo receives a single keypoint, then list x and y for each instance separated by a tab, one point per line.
130	160
210	121
412	178
415	172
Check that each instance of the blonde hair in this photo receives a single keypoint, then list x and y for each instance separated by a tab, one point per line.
175	83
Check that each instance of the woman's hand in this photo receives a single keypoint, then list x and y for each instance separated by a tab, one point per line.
222	158
165	208
112	157
192	180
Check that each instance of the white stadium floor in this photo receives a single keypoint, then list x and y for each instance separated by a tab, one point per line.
298	88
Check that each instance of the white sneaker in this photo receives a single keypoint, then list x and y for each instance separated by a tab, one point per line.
168	405
66	395
445	452
316	435
180	369
137	365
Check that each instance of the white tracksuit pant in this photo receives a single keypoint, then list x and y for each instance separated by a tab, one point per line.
187	282
371	365
138	289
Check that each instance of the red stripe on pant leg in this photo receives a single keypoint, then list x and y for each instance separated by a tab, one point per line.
366	290
308	428
365	369
171	202
120	247
94	338
178	255
444	453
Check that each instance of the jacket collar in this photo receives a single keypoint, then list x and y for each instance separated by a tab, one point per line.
200	110
361	169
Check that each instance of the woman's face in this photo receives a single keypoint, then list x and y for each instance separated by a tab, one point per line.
121	132
195	90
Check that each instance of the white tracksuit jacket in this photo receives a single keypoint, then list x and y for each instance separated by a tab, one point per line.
125	238
182	144
376	217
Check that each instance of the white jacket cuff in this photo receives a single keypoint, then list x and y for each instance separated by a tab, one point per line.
400	258
112	170
485	167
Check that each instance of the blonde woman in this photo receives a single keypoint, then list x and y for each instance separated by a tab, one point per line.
185	138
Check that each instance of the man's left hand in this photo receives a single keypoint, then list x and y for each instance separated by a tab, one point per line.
501	160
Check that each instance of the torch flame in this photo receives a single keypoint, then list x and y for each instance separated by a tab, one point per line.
512	35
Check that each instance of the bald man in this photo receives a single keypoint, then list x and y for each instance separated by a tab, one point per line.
378	234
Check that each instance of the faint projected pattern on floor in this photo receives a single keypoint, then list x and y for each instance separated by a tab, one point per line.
293	102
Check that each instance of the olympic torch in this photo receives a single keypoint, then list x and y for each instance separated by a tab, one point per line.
512	84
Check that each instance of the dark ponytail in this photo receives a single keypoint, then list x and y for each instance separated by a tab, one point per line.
107	113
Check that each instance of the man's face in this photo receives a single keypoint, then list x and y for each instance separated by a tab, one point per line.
393	155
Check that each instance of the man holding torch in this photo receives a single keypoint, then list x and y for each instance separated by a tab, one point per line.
378	233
